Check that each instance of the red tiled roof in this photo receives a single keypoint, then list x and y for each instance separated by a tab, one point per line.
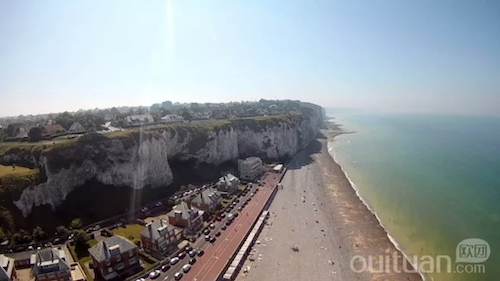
52	129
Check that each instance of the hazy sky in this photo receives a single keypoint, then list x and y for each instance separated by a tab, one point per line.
436	55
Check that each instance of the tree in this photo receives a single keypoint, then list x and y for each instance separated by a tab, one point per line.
38	233
35	134
65	119
62	230
3	135
25	236
81	239
186	115
76	224
15	239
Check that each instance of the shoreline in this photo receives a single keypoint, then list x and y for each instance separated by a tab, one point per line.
321	212
331	138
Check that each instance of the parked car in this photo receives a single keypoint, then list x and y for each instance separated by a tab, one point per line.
154	274
217	234
141	279
188	249
186	268
224	227
200	253
192	253
181	255
178	276
207	238
212	226
165	267
174	260
206	231
212	239
192	261
158	204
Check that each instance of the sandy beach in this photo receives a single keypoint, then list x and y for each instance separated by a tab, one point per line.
318	211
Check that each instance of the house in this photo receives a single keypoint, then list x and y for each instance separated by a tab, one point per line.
50	264
228	183
115	257
76	128
159	236
135	120
208	200
51	130
250	169
7	269
187	216
172	118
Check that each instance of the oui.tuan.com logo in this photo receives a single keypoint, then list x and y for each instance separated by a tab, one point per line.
470	255
472	250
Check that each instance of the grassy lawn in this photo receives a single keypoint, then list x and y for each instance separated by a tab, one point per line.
226	202
83	256
19	171
131	232
242	186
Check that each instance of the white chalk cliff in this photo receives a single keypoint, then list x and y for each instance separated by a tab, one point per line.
140	163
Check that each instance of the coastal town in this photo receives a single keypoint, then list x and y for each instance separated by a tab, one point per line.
164	240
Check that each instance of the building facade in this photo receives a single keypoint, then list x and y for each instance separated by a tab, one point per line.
7	269
208	200
159	236
250	169
50	265
115	257
186	216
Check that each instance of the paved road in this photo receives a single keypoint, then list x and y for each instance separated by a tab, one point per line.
201	244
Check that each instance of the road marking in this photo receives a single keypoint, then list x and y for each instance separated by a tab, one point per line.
165	278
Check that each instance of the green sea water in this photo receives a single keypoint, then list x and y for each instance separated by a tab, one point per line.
432	181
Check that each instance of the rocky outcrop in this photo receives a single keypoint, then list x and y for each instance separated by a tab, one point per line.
142	158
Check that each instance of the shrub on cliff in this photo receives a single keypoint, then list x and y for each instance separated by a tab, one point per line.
38	234
76	224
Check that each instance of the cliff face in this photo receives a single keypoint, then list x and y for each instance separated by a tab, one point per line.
142	159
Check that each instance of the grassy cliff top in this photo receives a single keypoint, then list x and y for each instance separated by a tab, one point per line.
258	124
18	171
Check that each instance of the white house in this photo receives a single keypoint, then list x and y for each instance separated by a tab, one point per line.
139	119
172	118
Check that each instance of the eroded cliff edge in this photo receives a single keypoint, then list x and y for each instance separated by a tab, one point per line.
142	157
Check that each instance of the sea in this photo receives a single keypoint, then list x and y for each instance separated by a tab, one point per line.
432	181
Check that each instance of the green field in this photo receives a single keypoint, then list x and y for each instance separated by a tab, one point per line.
131	232
18	171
